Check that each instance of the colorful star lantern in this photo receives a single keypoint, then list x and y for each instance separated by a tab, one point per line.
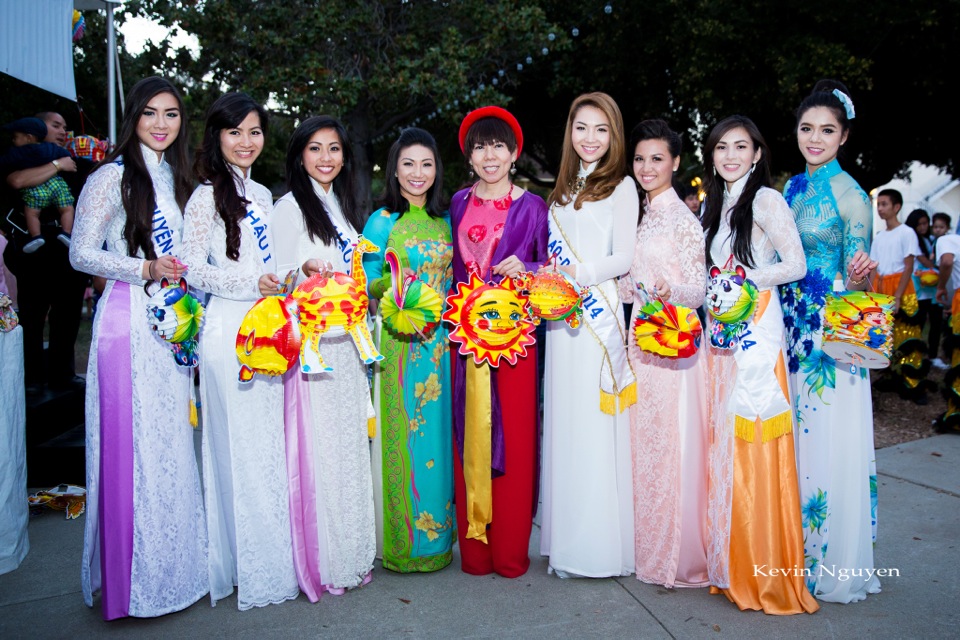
491	321
175	315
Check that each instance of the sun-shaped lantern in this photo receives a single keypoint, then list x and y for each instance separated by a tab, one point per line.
491	321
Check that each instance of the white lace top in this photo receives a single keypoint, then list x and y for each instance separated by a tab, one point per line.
101	217
777	250
205	244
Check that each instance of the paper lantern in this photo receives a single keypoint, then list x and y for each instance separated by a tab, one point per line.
731	300
928	277
410	306
553	295
491	321
176	315
8	315
335	305
268	341
671	331
858	328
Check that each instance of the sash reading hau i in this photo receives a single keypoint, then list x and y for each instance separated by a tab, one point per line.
601	311
257	222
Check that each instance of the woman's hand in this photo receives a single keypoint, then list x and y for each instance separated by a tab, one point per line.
269	284
860	267
314	265
509	267
662	288
168	267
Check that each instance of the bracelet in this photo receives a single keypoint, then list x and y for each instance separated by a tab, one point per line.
857	283
150	269
56	165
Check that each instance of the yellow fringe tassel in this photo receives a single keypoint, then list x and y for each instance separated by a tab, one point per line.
771	428
193	414
371	428
628	396
608	403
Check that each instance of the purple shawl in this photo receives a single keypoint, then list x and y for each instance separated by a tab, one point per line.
524	236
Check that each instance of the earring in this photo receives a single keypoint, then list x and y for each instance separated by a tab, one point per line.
513	169
752	167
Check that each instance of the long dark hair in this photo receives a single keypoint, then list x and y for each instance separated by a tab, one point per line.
136	186
315	216
392	198
227	112
741	217
913	221
651	130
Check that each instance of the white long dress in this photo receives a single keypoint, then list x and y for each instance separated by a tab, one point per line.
169	547
587	527
339	409
244	464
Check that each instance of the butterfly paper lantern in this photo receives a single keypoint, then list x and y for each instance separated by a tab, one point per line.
268	341
410	305
671	331
176	315
553	295
491	321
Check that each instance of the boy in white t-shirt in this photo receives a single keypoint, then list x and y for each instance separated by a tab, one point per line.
948	294
895	250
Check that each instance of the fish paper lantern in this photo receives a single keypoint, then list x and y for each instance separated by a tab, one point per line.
175	315
491	321
268	341
334	305
553	295
671	331
410	306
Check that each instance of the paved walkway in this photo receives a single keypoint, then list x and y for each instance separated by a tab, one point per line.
919	525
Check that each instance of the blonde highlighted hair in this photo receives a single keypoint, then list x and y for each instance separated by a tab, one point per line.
611	168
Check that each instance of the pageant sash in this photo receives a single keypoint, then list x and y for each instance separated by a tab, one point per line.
257	221
604	319
757	395
166	242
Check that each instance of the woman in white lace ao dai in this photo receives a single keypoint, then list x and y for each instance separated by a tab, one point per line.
754	503
145	543
668	431
228	244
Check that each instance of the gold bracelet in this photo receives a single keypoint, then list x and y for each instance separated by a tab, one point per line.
56	165
857	283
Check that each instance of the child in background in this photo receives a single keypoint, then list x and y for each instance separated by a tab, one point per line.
939	228
30	151
895	250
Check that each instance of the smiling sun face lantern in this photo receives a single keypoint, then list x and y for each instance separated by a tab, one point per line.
491	321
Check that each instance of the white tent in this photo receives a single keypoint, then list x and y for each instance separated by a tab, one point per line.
36	45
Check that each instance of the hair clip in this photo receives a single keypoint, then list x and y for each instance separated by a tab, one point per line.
846	102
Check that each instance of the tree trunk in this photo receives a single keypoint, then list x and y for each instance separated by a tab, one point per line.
357	122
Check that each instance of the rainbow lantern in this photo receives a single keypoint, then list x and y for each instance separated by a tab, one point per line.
731	300
336	305
175	316
410	305
553	295
665	329
268	341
